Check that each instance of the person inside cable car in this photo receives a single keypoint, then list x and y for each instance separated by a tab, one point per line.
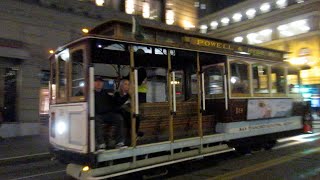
122	99
106	114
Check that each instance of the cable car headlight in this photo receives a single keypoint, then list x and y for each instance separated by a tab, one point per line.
61	127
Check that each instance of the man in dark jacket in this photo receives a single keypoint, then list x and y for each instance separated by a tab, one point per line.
104	109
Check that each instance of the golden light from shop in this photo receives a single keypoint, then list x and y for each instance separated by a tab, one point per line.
85	30
51	51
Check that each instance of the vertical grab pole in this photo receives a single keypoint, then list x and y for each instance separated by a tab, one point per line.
225	91
170	99
136	91
174	92
200	97
134	99
91	111
203	93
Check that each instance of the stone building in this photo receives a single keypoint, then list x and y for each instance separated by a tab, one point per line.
289	25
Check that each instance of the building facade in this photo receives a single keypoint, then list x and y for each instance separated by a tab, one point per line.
288	25
32	29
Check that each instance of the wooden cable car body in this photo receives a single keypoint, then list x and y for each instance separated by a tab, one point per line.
205	115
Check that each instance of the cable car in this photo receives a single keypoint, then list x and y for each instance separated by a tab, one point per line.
204	96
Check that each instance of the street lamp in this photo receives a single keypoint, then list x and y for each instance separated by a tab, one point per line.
251	13
203	28
238	39
214	24
265	7
225	21
237	17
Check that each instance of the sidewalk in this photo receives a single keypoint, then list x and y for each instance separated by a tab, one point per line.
11	148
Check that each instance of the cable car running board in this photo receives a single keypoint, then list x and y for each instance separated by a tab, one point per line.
122	169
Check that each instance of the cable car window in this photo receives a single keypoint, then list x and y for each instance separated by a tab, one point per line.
260	79
214	82
77	74
157	85
278	80
293	81
179	79
239	78
62	90
53	81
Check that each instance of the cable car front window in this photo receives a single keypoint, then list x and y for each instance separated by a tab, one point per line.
77	74
63	57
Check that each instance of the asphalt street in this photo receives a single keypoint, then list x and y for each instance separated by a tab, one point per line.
293	158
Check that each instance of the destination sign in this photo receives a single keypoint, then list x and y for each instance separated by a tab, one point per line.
237	49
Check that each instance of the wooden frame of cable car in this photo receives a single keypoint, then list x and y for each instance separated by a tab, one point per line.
140	157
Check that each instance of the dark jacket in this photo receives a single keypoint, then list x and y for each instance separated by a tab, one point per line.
122	102
104	103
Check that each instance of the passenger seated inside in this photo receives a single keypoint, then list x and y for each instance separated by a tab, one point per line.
105	113
122	99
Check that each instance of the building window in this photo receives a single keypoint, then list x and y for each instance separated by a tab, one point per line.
8	93
130	6
293	28
239	78
169	16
